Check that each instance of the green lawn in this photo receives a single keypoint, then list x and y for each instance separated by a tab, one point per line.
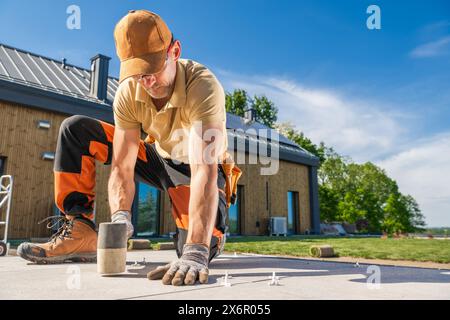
371	248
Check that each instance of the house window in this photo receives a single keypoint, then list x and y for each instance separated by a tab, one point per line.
2	165
235	213
147	210
292	198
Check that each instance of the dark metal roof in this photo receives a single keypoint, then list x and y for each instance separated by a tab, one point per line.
47	83
239	123
49	74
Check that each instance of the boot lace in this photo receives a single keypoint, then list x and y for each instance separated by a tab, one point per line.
64	231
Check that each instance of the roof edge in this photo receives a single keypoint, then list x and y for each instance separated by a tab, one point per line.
55	60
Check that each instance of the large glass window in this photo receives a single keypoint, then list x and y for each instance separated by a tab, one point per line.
147	211
235	212
292	198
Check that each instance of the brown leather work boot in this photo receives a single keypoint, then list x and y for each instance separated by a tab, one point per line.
76	240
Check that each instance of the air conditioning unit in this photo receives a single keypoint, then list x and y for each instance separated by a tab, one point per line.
278	226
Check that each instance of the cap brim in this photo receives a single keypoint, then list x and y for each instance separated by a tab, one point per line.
146	64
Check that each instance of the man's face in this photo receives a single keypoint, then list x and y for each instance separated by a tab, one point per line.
160	85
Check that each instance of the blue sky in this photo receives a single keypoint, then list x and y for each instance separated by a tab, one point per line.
374	95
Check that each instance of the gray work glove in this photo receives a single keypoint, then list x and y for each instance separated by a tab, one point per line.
192	265
124	217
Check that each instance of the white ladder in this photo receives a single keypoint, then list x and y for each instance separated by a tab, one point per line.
6	186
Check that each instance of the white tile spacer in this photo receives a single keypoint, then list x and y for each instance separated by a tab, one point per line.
274	280
136	264
357	265
235	254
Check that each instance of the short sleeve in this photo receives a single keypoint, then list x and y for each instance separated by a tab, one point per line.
207	101
208	105
124	107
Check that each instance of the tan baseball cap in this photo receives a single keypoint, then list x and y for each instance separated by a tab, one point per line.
142	39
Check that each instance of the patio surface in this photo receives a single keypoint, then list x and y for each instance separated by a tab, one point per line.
298	279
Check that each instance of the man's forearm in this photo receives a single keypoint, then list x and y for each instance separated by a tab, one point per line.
203	203
121	189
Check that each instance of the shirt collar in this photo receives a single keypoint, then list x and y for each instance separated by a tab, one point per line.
141	95
178	98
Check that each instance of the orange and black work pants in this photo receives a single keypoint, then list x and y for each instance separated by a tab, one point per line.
82	140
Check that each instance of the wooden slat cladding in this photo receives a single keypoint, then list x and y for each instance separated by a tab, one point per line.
22	143
33	196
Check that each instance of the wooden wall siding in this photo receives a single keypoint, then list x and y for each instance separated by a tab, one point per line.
33	196
23	143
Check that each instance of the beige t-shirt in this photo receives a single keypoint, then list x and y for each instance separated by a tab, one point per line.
197	96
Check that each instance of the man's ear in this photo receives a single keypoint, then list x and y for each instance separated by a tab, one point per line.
176	50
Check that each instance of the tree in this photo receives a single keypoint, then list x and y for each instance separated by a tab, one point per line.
351	208
266	112
375	186
402	214
395	219
417	218
357	193
237	102
360	190
329	201
333	173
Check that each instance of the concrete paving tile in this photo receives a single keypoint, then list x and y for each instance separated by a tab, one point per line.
299	279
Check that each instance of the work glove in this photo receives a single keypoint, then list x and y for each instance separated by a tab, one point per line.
124	217
192	265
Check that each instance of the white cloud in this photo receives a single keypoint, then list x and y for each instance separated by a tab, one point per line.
424	172
432	49
352	126
435	27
